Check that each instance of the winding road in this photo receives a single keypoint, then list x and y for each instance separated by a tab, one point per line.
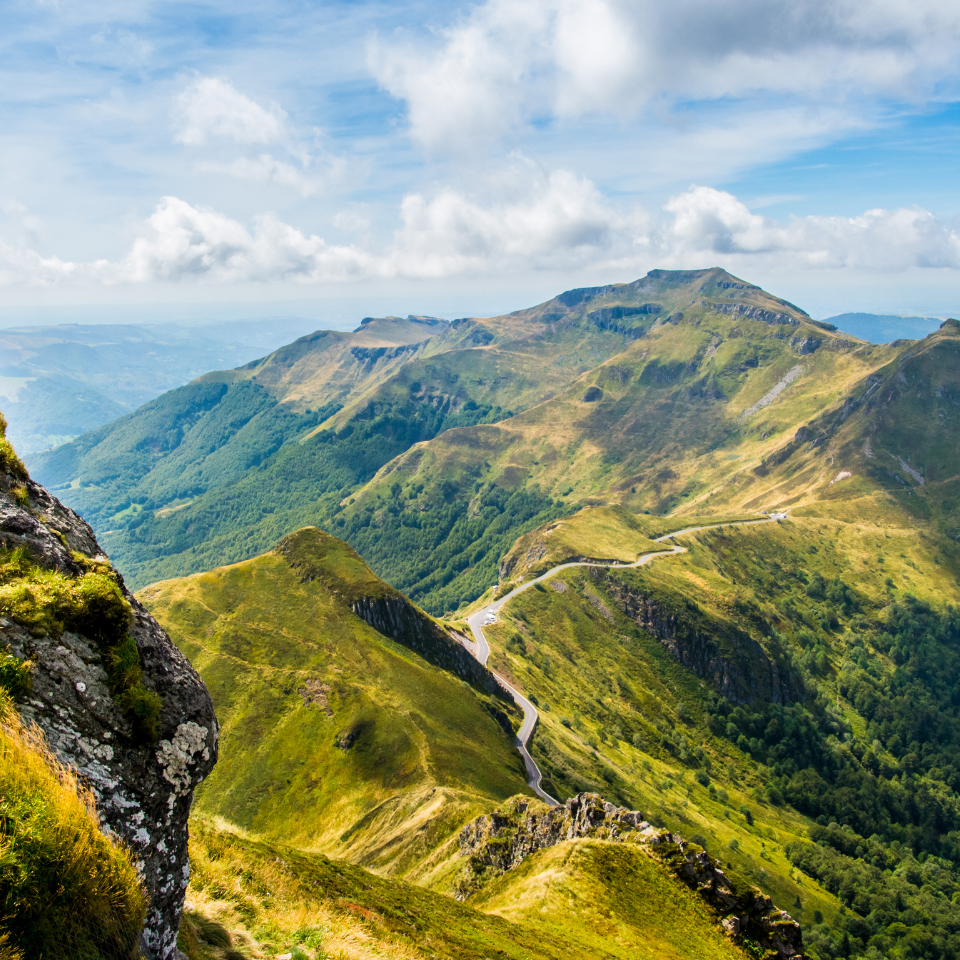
486	615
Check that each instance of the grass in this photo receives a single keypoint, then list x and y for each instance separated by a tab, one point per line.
66	891
611	701
608	534
251	898
333	737
49	602
610	898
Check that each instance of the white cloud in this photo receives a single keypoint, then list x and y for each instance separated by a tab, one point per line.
557	221
211	108
184	242
508	62
554	222
708	222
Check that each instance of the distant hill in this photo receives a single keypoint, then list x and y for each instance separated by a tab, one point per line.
335	736
430	447
884	328
57	382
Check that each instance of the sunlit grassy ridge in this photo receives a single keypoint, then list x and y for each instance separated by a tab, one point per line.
334	737
607	897
250	898
66	891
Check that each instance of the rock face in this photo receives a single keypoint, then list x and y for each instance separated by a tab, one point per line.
143	784
396	617
499	841
735	664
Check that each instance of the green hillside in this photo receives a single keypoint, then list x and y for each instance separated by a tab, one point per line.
786	695
339	740
259	898
334	736
431	447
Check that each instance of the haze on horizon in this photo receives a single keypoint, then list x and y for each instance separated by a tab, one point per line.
474	158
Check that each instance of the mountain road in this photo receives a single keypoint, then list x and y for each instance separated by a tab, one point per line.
487	615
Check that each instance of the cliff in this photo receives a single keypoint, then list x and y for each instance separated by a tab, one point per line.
115	699
725	656
497	842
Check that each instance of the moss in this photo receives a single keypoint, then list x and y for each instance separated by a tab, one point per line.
48	602
143	708
16	676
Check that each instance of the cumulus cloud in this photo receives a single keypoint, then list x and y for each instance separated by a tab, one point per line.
185	242
709	222
559	222
211	108
508	62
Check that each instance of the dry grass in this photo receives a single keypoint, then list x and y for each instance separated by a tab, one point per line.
65	889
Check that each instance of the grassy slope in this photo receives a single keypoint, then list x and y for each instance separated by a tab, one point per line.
294	674
66	889
610	534
269	899
592	667
607	897
427	758
619	715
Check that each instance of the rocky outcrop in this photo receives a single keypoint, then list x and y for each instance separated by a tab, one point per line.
143	782
752	313
499	841
396	617
728	658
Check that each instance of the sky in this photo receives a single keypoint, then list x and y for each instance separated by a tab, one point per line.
181	158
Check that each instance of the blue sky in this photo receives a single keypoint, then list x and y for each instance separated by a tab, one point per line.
455	159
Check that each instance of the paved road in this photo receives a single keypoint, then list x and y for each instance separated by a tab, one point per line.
482	652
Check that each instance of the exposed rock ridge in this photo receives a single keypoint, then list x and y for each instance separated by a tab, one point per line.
752	313
740	669
497	842
143	789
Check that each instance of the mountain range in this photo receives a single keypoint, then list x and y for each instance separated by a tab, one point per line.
735	538
57	382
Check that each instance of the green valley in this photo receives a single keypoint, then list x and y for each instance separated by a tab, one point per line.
314	529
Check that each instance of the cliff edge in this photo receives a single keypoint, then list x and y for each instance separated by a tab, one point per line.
114	697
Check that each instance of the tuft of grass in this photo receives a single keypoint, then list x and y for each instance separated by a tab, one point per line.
66	890
10	463
48	602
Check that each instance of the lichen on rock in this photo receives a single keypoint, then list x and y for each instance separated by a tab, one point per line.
132	717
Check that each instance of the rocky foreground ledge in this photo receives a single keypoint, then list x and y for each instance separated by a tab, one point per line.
497	842
114	697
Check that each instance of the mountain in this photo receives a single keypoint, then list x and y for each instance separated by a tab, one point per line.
367	745
337	736
884	328
57	382
409	446
767	699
